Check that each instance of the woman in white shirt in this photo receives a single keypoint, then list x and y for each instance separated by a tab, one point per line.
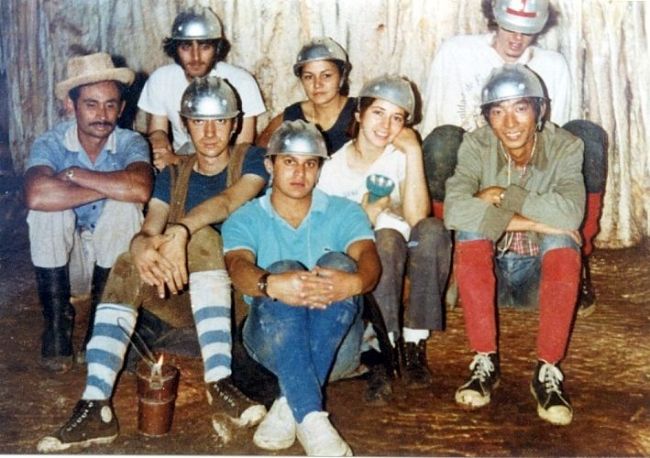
409	242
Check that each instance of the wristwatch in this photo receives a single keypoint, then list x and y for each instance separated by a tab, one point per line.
69	174
263	283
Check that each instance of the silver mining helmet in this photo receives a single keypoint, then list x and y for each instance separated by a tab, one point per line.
511	81
209	97
393	89
527	17
197	24
297	137
322	48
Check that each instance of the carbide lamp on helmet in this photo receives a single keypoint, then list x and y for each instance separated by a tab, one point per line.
511	81
297	137
197	24
209	97
322	48
393	89
521	16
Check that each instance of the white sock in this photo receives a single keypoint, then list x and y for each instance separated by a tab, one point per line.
210	297
105	352
415	335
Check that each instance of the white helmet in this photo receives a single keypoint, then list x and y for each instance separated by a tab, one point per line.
394	89
209	97
523	16
297	137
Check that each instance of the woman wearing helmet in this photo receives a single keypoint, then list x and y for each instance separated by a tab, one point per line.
322	66
386	150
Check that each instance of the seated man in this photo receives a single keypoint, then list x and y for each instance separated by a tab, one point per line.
516	201
86	179
205	185
457	74
304	257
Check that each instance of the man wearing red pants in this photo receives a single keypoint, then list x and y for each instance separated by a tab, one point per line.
516	201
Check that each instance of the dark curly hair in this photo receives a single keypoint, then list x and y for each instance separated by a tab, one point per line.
221	46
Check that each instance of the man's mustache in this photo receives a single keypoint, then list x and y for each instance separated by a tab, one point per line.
102	123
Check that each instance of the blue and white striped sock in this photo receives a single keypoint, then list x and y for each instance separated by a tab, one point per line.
210	297
106	349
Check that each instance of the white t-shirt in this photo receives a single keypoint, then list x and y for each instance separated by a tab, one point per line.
461	68
164	89
338	179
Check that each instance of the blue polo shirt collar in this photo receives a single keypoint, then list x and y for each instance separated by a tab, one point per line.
319	203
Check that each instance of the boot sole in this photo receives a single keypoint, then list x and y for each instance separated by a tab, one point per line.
223	424
53	444
584	312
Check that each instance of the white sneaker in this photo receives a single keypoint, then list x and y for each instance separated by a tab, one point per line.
278	429
319	438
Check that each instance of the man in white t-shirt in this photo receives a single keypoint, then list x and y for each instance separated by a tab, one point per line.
198	47
458	72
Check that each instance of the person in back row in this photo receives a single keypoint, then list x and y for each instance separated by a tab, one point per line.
323	68
516	202
198	48
179	241
409	243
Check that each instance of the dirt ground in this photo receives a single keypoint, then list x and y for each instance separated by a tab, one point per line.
607	370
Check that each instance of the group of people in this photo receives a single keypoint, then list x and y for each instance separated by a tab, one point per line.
324	212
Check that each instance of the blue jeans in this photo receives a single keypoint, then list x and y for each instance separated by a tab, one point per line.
298	344
518	275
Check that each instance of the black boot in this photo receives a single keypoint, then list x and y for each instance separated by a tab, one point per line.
586	295
100	275
58	314
415	371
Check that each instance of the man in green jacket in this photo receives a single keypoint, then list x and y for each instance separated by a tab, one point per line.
516	201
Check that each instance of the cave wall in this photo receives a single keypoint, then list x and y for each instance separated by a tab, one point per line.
606	43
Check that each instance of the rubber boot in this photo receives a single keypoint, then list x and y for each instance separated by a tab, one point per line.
100	275
589	229
587	294
440	150
58	314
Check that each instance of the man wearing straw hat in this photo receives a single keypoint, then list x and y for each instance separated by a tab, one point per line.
85	185
179	244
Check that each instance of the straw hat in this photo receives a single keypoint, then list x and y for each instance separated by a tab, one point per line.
92	68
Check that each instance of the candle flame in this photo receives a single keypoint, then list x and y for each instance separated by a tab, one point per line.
156	369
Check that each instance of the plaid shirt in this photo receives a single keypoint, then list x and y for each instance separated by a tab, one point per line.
519	242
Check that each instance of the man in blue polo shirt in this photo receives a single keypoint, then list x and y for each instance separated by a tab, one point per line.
303	258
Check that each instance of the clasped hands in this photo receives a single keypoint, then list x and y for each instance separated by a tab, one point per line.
315	289
161	259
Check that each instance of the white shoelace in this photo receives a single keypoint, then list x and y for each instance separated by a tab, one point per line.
551	376
481	366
